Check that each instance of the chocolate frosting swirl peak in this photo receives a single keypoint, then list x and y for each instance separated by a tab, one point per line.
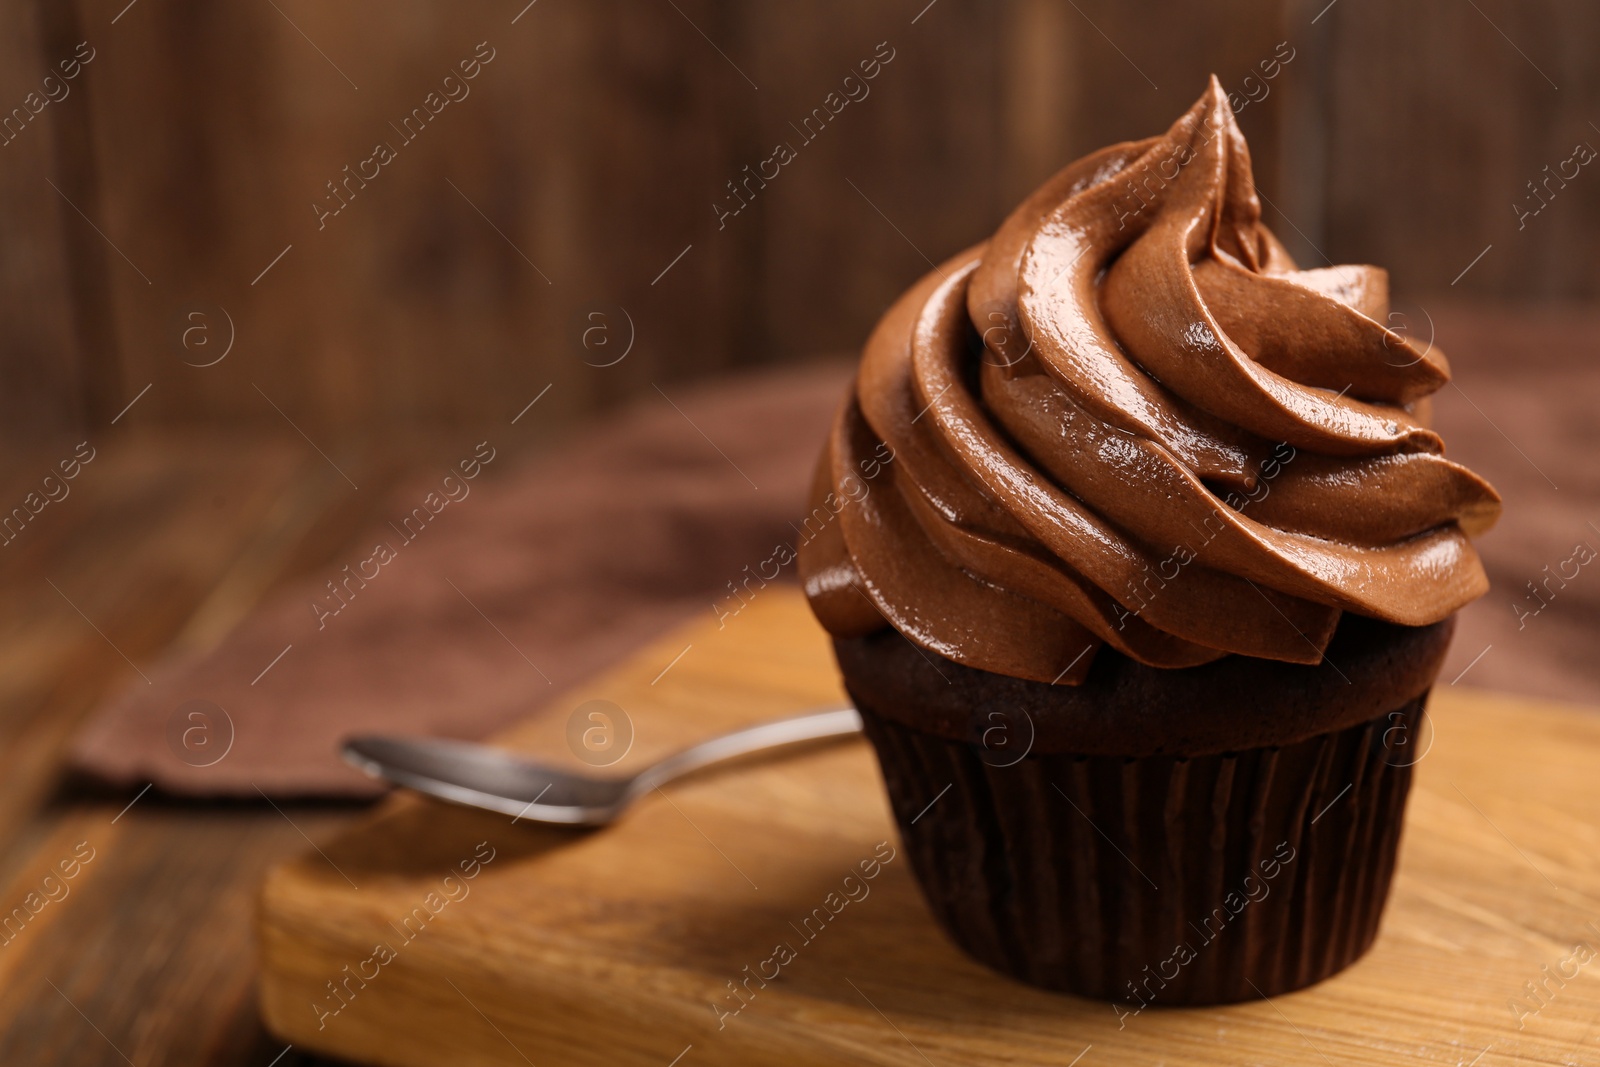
1129	419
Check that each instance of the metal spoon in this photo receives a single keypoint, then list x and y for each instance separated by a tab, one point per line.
481	776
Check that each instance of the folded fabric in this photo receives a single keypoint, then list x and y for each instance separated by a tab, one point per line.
462	615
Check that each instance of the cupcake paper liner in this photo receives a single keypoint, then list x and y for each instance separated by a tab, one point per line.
1161	880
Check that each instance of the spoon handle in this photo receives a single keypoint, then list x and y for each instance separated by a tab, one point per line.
813	726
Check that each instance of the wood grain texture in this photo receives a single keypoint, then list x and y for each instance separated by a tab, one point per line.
611	947
163	542
590	154
52	308
450	288
1434	133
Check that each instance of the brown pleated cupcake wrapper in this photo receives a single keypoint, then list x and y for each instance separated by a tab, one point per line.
1157	881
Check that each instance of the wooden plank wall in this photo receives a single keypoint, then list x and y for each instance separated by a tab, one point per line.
596	144
53	304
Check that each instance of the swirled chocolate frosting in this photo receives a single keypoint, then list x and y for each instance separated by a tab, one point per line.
1129	419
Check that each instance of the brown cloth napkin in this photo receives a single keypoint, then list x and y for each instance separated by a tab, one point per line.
581	555
531	582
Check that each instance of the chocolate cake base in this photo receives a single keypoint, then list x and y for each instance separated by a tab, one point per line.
1153	877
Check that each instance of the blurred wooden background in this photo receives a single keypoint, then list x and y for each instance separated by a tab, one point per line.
187	153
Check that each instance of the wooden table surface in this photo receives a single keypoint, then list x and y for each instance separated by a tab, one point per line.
150	957
163	543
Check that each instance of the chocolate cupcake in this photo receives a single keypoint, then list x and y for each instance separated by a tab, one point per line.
1140	558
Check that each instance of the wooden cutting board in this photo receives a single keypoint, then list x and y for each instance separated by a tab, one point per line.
621	946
